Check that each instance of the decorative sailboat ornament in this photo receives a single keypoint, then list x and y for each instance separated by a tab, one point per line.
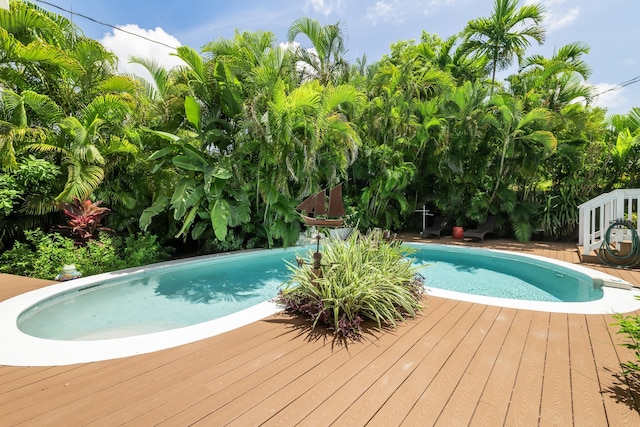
314	209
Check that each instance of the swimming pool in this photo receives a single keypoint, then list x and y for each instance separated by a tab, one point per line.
454	271
248	280
64	339
169	296
503	275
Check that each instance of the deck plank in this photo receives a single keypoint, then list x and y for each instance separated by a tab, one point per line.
16	285
588	407
524	408
318	392
612	384
494	400
468	392
430	405
625	355
212	372
411	367
441	336
110	377
555	409
230	393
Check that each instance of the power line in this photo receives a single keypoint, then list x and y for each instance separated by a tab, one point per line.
106	25
619	86
611	89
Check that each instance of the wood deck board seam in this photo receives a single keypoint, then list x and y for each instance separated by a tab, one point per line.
300	371
149	369
528	382
506	352
418	365
228	377
515	379
557	407
407	378
585	383
471	360
464	307
441	306
482	392
544	366
609	372
434	376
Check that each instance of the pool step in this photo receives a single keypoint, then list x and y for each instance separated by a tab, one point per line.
614	282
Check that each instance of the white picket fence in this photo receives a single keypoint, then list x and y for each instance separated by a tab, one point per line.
597	214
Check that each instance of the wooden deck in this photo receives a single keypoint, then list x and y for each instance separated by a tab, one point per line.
457	364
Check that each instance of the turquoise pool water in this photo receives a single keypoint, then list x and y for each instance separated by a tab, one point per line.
181	294
159	299
502	275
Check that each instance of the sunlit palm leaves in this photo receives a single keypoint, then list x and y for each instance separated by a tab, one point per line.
325	60
505	33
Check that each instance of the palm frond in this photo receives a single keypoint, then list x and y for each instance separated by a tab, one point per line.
82	180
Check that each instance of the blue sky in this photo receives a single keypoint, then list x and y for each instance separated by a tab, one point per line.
609	28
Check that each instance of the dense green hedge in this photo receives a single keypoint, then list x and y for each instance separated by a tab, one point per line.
43	255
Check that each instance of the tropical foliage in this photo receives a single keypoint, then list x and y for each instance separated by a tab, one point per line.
215	154
504	34
630	326
84	220
43	255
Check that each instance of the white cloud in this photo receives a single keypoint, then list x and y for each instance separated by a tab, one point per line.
434	5
554	20
386	12
614	100
302	67
558	15
127	45
290	45
325	7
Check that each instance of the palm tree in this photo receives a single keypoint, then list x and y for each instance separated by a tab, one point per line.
557	81
397	125
84	142
504	34
245	53
24	118
162	98
451	56
47	54
525	142
325	61
624	155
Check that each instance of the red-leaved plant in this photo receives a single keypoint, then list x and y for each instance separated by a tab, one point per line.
83	220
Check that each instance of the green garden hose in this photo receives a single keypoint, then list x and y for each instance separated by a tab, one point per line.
609	255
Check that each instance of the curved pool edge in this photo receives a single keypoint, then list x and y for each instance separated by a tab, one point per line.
614	300
619	296
20	349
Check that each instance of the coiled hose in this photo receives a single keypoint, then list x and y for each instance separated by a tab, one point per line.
608	254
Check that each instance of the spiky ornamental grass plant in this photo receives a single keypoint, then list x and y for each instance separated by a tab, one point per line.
362	277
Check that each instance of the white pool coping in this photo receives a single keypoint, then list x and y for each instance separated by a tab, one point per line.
614	300
619	296
20	349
